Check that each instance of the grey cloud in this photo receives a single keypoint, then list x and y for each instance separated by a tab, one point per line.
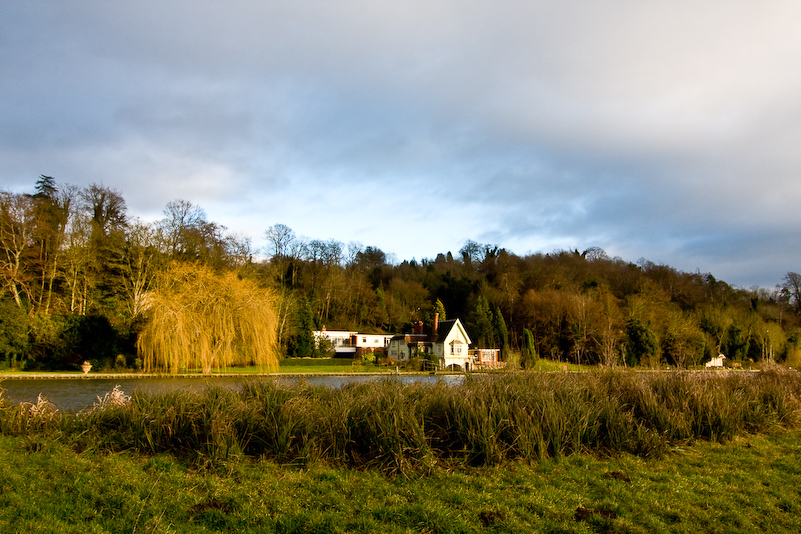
663	131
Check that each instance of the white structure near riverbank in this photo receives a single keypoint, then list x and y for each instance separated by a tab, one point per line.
447	340
352	344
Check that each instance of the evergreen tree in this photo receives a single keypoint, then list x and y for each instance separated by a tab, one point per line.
383	316
530	356
642	342
51	212
13	331
304	345
501	332
481	322
439	308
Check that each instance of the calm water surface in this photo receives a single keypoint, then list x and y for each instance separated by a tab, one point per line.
80	393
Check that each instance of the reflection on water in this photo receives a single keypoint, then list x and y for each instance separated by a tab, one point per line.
79	393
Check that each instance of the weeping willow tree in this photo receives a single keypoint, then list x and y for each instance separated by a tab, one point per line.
197	318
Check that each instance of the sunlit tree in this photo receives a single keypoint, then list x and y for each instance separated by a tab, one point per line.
16	237
610	329
439	308
201	319
683	343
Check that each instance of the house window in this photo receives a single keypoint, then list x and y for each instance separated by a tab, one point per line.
364	340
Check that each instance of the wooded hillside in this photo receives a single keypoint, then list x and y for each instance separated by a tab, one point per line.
77	272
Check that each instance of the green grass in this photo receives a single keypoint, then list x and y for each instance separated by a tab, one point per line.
749	485
545	365
512	452
313	362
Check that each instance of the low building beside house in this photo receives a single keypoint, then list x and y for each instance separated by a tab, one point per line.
486	358
352	344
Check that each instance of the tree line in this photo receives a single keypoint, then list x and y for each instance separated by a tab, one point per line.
80	276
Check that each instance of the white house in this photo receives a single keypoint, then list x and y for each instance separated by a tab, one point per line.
716	362
448	341
371	342
347	343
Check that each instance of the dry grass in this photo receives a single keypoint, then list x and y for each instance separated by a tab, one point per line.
411	428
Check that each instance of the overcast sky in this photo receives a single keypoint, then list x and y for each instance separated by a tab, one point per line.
669	131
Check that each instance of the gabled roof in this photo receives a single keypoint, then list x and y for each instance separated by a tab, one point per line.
444	329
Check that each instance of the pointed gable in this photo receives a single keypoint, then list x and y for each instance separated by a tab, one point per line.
451	329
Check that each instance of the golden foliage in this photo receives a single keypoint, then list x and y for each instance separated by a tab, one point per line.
201	319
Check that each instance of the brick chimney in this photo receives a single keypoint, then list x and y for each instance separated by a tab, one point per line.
418	327
435	327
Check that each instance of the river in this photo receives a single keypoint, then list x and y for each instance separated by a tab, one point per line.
74	394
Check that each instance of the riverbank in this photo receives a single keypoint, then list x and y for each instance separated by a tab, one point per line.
290	368
133	376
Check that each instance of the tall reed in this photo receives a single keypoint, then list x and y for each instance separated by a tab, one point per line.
403	428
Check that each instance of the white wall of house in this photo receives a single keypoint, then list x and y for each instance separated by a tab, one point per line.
372	341
347	343
338	338
454	348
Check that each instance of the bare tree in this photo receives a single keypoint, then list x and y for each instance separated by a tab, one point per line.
140	262
792	284
107	210
77	259
280	237
181	217
17	226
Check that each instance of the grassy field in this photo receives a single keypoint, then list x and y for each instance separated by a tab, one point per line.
613	451
752	484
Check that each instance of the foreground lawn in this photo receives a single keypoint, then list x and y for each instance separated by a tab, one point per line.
752	484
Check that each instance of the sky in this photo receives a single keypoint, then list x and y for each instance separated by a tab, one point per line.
669	131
